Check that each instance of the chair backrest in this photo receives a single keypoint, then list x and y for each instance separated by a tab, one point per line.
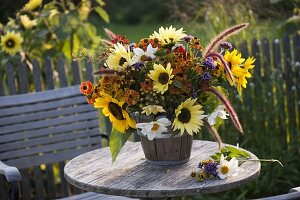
44	128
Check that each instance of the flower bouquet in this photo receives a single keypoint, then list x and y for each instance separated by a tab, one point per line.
167	85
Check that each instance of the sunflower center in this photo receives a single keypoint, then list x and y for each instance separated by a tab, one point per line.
115	110
155	127
163	78
10	43
84	87
122	61
184	116
224	170
144	58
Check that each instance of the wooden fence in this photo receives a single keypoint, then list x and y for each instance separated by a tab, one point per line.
271	101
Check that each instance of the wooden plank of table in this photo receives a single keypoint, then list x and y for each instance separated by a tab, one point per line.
132	176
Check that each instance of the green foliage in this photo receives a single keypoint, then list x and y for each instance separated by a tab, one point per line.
117	141
230	152
60	28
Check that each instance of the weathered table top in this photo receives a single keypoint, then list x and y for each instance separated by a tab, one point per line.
132	176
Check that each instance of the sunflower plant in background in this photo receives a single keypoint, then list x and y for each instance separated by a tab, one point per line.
167	83
53	29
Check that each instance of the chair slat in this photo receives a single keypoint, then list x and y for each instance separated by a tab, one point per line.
89	71
49	139
49	148
46	123
45	114
50	181
22	163
54	130
16	110
30	98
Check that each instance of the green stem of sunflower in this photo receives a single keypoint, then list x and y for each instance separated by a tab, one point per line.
262	160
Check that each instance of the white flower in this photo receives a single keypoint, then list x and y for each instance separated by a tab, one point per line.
218	112
119	58
168	35
155	128
141	56
226	169
153	109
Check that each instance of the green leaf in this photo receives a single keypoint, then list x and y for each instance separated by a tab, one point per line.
103	14
177	84
116	142
100	2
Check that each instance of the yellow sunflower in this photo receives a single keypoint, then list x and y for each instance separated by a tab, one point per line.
32	4
26	22
234	60
168	35
243	73
119	59
161	77
112	108
188	117
11	42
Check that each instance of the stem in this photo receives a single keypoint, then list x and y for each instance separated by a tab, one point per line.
262	160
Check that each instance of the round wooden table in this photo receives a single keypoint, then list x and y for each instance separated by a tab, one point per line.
132	176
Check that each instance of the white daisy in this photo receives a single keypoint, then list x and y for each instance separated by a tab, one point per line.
153	109
218	112
155	128
142	56
119	58
226	169
168	35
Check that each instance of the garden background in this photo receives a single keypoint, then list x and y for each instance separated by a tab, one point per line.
271	107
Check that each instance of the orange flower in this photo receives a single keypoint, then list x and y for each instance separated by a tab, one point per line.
147	85
131	97
86	87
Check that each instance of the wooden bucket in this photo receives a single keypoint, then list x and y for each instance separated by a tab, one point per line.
167	151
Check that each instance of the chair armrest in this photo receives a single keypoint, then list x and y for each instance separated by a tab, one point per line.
296	189
12	174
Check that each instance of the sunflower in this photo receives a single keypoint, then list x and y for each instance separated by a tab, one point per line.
234	60
188	117
11	42
26	22
112	108
243	73
161	77
168	35
32	4
119	59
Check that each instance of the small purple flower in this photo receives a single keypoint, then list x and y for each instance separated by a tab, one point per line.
226	45
138	66
131	46
206	76
209	63
194	95
211	168
188	38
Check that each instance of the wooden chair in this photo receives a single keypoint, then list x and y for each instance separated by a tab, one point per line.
39	132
